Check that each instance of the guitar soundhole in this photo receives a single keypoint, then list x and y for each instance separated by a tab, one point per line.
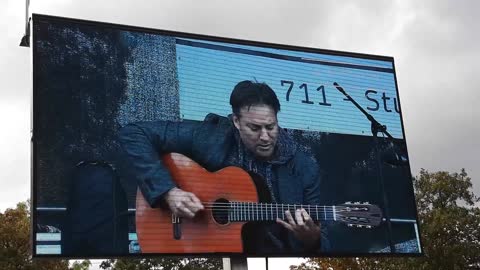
220	211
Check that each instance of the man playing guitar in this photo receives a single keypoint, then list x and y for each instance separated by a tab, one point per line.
251	139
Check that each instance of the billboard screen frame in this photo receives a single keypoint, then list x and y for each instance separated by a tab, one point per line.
37	18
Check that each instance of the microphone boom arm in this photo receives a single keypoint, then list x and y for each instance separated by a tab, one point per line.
376	126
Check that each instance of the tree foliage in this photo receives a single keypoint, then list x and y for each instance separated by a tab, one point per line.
450	229
15	244
15	249
163	264
81	265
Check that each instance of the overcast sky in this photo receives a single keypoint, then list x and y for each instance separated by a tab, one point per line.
435	45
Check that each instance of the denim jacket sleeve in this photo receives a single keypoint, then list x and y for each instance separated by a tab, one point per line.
312	195
206	142
144	143
306	168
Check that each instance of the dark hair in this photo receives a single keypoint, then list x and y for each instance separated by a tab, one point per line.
248	93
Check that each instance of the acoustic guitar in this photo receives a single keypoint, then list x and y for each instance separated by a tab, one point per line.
230	200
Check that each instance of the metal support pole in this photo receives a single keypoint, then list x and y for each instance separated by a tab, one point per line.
25	41
235	263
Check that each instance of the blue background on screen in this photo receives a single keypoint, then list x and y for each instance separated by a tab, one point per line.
207	76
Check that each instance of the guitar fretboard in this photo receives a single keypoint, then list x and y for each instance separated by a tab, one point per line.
249	211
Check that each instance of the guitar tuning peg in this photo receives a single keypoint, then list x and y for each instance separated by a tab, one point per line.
357	203
349	202
367	203
350	225
368	226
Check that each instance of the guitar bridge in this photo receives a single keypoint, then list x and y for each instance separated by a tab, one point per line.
177	232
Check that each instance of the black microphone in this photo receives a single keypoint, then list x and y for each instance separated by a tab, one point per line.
392	155
395	159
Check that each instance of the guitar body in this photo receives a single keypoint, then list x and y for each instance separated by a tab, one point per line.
204	233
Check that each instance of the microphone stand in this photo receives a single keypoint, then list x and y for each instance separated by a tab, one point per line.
376	127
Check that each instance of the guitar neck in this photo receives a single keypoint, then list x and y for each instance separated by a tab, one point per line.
249	211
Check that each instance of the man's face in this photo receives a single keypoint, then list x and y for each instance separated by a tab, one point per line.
258	129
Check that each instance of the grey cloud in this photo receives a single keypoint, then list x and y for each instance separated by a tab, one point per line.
14	67
271	21
439	81
434	43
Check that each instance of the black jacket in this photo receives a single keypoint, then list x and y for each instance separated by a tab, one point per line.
208	143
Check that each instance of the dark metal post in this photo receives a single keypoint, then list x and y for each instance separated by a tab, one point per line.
235	263
376	127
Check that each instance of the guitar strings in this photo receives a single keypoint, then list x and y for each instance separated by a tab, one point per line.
275	209
269	205
253	212
273	206
266	207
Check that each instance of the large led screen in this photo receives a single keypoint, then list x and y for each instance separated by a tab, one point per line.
165	143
